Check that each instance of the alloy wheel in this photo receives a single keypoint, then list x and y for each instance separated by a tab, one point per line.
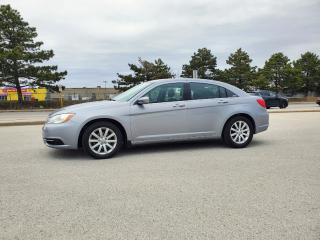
239	132
102	140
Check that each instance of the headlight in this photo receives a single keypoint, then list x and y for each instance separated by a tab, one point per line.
60	118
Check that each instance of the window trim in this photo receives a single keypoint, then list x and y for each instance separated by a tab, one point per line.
188	91
150	89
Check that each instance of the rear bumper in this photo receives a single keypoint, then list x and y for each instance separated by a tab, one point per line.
261	128
262	122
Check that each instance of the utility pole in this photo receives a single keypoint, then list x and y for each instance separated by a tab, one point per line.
61	95
105	89
195	74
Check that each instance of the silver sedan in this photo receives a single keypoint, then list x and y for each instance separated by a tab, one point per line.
159	111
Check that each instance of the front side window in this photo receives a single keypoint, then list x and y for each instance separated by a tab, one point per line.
130	93
166	93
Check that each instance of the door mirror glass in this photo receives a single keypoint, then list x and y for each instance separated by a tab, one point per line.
143	100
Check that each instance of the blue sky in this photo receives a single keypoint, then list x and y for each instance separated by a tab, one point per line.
93	40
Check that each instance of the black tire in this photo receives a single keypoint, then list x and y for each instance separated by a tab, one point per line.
104	125
227	132
283	104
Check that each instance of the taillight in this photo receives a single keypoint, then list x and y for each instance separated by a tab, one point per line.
261	102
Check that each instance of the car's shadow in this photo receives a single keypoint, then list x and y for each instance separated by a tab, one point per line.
148	148
172	147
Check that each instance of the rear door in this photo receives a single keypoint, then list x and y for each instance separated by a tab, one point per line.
206	108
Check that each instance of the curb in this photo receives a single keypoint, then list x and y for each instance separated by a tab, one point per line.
8	124
29	110
294	111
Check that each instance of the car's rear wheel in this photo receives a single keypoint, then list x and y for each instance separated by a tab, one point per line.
238	132
102	140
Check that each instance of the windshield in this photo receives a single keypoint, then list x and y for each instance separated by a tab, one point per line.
130	93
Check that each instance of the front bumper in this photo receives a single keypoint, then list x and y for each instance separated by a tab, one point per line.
61	136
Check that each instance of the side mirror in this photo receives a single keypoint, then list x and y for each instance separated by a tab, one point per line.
143	100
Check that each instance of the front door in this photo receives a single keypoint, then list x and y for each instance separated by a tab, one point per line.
164	118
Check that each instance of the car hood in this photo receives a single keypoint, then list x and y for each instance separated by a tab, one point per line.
90	106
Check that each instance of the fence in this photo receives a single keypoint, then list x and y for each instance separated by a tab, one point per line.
34	103
44	99
52	103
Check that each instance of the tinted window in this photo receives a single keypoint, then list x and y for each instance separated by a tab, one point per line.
166	93
207	91
231	94
264	93
273	94
130	93
223	92
204	91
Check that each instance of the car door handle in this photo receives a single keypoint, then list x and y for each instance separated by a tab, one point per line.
179	105
222	101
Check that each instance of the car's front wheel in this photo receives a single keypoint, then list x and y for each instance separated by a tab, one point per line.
283	104
102	140
238	132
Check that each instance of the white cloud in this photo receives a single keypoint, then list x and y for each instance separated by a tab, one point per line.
95	39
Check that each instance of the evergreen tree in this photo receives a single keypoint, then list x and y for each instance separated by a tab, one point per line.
278	71
142	72
20	55
204	62
293	83
260	82
307	68
241	73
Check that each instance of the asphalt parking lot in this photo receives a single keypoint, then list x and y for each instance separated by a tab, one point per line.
203	190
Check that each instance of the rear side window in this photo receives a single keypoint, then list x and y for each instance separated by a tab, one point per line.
204	91
267	94
231	94
224	93
207	91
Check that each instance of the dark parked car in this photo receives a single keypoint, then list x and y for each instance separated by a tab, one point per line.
272	99
318	101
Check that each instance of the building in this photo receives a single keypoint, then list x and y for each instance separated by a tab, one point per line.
69	94
28	94
84	94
